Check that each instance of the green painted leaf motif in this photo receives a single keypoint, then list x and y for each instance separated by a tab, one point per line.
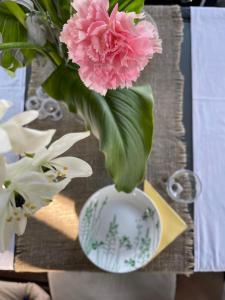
127	5
124	241
131	262
122	120
97	244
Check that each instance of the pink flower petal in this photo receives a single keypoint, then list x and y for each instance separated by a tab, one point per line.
111	50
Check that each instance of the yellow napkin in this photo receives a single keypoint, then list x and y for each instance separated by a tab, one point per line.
172	224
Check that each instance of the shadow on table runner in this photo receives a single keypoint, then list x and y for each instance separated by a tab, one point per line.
50	241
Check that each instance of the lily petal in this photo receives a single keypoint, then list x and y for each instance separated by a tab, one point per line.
9	229
4	199
63	144
5	145
40	157
20	226
24	118
35	187
14	170
26	139
72	166
4	106
16	225
6	233
2	172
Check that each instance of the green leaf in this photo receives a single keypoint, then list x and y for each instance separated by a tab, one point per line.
127	5
58	10
122	120
11	30
9	63
24	46
28	4
63	9
50	8
16	11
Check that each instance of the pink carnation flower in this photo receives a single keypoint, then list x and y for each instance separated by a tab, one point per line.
111	50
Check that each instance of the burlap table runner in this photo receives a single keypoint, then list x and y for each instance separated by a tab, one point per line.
50	241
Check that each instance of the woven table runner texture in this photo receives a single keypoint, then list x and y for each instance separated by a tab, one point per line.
50	241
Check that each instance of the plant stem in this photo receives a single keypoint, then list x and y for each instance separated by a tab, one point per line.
23	45
55	58
53	53
39	7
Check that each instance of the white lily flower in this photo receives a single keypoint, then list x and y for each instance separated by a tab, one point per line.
13	136
64	167
2	170
21	195
4	106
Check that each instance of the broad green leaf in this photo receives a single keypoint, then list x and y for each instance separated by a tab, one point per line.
11	30
16	11
26	3
122	121
127	5
8	62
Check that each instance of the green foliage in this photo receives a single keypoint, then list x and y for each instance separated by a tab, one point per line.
128	5
12	29
49	7
122	121
16	11
58	10
63	8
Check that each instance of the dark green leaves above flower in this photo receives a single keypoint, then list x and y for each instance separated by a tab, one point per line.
128	5
122	121
63	8
48	6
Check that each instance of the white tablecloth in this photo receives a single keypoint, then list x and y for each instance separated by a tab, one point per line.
13	89
208	78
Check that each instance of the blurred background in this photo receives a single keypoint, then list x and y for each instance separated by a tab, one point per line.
185	2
